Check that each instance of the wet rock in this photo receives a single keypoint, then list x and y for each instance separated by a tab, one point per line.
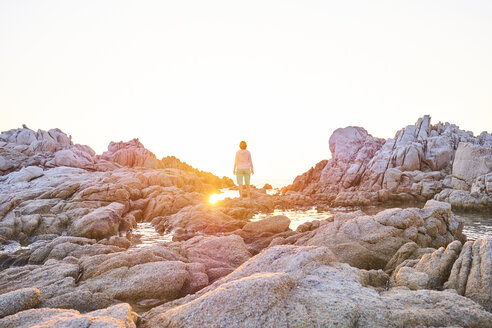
18	300
471	274
117	316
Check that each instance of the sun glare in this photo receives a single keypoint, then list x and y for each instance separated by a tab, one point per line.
214	198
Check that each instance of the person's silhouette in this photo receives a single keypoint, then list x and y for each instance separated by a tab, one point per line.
243	168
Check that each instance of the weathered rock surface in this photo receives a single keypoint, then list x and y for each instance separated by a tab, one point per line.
258	235
163	280
57	282
197	218
471	274
23	147
76	247
409	251
421	161
411	278
225	216
48	185
77	207
18	300
371	241
471	161
91	204
219	255
479	197
74	205
303	287
437	265
244	209
116	316
131	154
431	271
80	274
272	224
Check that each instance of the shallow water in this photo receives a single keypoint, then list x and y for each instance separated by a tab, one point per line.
229	193
476	225
13	246
297	217
145	235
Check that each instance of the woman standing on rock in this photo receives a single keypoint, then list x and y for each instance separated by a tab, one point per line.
243	168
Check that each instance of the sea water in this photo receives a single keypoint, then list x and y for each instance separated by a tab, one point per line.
475	225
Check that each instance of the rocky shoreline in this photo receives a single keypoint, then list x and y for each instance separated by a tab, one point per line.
401	267
423	161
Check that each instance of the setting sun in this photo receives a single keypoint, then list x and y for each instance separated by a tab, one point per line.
214	198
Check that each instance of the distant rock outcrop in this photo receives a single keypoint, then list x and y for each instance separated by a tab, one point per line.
421	162
131	154
24	147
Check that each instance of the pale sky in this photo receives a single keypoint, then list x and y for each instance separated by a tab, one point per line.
193	78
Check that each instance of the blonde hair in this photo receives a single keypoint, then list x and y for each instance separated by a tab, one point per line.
243	145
